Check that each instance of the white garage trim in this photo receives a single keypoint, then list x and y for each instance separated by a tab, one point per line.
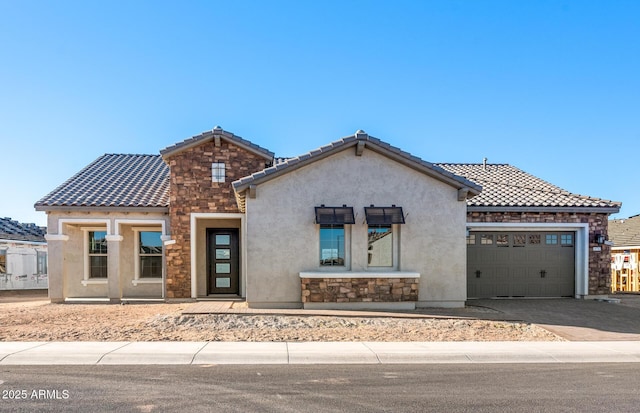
582	244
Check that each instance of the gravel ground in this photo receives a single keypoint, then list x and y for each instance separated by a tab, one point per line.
41	321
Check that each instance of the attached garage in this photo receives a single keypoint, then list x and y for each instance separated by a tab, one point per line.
521	264
530	238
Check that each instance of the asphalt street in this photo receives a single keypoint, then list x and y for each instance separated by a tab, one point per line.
322	388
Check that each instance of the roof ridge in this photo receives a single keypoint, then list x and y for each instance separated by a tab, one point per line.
216	131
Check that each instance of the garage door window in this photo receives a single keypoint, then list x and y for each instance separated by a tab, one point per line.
519	240
534	239
502	240
566	240
486	239
551	239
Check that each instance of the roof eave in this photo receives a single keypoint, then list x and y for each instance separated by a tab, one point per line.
58	208
597	210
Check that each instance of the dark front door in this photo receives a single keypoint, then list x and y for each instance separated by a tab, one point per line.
223	261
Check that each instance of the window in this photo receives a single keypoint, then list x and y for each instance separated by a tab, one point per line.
551	239
380	241
332	222
217	172
332	245
42	262
486	239
502	240
471	239
97	254
3	261
566	240
149	254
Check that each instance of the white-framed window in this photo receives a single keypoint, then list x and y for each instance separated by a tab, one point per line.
95	256
218	172
383	229
380	246
334	224
332	245
148	256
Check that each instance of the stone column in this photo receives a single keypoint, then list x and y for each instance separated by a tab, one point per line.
113	268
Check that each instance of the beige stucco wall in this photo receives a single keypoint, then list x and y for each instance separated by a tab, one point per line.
67	255
283	240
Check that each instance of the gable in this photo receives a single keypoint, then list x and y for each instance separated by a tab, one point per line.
358	143
216	136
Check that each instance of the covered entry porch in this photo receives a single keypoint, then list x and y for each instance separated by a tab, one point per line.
217	258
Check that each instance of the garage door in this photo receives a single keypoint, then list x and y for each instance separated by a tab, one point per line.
520	264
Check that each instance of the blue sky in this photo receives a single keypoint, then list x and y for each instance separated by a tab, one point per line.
552	87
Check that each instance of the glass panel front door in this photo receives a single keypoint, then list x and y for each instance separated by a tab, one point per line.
223	261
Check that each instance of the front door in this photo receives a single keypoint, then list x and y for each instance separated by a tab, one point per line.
223	267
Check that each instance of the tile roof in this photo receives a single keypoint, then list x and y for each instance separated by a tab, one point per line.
212	134
114	180
14	230
625	232
142	181
505	187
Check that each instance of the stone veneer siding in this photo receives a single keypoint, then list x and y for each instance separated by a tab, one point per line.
193	191
599	262
354	290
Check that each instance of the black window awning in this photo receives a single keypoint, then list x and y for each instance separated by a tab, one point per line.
334	215
384	215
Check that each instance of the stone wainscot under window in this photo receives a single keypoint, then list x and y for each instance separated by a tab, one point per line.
352	290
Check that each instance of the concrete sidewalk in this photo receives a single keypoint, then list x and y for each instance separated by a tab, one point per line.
201	353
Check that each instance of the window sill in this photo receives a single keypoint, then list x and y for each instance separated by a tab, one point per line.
360	274
94	281
146	281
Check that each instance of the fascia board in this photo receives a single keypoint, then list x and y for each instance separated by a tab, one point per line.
597	210
101	209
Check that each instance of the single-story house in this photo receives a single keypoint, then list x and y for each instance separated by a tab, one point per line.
625	254
23	256
354	224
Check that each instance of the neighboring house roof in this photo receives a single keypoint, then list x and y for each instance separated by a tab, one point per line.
360	141
625	232
216	133
507	188
114	181
14	230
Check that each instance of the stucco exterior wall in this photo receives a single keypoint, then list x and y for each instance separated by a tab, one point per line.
67	250
283	240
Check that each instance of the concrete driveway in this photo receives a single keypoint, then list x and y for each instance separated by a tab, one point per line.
575	320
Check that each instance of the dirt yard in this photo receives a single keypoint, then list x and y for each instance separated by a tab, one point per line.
28	320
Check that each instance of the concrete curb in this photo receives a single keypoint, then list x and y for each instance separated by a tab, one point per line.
199	353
